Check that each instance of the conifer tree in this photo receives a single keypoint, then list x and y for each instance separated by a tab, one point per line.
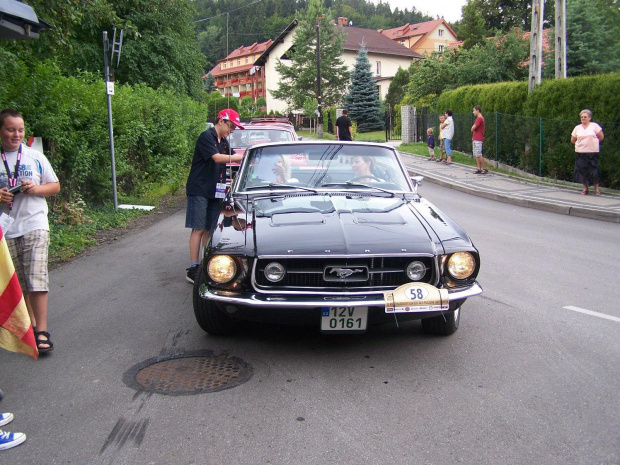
299	75
363	99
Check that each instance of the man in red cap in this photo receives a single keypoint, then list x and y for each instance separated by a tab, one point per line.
206	184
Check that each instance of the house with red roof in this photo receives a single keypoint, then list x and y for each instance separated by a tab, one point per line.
423	38
238	76
385	56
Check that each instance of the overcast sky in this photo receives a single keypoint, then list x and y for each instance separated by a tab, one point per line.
449	9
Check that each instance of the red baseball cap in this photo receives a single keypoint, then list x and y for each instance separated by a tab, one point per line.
230	115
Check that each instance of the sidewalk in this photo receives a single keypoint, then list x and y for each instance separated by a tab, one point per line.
496	186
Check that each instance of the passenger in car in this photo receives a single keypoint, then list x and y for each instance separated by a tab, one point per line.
363	168
273	168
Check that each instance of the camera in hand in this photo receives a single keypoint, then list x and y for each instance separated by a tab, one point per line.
15	189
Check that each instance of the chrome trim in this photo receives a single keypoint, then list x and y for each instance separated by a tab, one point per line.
292	301
362	255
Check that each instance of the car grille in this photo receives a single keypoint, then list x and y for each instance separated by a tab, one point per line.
342	275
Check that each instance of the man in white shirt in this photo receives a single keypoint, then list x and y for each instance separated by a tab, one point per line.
447	128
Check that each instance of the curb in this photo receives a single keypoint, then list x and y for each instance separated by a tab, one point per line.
548	206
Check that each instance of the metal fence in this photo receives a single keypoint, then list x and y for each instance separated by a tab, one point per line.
536	145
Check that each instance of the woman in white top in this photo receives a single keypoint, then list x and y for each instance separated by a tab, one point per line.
586	137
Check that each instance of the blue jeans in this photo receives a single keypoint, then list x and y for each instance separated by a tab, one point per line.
448	147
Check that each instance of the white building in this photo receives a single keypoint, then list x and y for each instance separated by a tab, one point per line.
384	54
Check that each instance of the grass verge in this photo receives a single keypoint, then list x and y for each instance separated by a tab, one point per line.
74	226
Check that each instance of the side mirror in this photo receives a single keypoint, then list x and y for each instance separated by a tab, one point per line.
417	181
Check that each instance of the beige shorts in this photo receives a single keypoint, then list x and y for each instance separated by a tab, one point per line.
29	253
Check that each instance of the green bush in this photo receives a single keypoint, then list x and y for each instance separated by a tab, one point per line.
154	130
532	131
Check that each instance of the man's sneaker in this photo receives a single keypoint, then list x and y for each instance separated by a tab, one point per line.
5	418
190	273
8	440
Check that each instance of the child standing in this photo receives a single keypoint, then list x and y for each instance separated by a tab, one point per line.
442	143
431	144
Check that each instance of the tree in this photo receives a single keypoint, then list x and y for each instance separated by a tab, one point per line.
472	30
506	15
299	71
592	37
209	84
396	92
363	99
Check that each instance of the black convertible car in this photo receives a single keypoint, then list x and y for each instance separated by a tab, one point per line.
332	234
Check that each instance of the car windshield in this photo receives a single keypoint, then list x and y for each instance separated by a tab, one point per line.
322	166
253	136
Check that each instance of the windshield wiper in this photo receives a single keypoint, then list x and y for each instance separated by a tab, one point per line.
358	184
277	184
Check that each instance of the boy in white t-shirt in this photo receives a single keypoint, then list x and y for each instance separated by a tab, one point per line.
23	214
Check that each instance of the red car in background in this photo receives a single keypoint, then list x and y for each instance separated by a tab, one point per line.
261	130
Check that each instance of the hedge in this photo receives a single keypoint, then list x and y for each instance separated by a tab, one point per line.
154	131
532	131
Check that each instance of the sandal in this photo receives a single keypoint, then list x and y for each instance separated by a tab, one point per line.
43	345
584	192
477	172
485	171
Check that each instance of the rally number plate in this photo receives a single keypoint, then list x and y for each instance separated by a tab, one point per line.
344	319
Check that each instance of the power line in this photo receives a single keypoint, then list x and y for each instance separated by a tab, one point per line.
228	12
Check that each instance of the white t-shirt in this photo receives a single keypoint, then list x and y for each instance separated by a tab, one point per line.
448	131
29	211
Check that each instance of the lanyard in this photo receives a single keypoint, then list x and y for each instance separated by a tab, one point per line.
12	181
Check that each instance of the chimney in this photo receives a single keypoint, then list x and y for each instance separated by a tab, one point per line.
342	21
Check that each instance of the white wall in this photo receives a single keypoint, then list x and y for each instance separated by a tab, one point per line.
389	66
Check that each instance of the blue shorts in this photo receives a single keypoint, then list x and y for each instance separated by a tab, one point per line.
448	146
202	213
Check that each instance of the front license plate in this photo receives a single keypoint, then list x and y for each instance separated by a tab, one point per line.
344	319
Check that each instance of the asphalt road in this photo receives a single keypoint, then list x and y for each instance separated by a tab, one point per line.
523	381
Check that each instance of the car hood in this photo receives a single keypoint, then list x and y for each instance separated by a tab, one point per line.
339	225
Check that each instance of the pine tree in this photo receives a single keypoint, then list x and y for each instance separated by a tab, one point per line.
363	99
299	78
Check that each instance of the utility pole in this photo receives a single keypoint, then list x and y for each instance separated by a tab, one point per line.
538	7
319	125
109	81
560	39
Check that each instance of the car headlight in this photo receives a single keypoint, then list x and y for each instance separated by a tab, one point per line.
221	268
416	271
274	272
461	265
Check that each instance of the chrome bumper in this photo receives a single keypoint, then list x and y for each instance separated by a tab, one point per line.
292	301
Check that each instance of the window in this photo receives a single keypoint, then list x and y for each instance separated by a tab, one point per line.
238	61
247	59
440	32
440	48
231	63
378	69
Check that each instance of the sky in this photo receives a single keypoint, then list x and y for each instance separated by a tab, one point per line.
449	9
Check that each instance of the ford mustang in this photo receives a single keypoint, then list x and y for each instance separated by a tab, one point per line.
341	241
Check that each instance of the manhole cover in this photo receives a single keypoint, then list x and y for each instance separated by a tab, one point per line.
186	374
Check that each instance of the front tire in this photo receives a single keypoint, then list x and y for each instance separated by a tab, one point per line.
210	317
442	325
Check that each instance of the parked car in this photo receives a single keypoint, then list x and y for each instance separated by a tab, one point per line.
340	242
259	131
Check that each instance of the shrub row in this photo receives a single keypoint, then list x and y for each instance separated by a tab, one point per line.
154	131
532	131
